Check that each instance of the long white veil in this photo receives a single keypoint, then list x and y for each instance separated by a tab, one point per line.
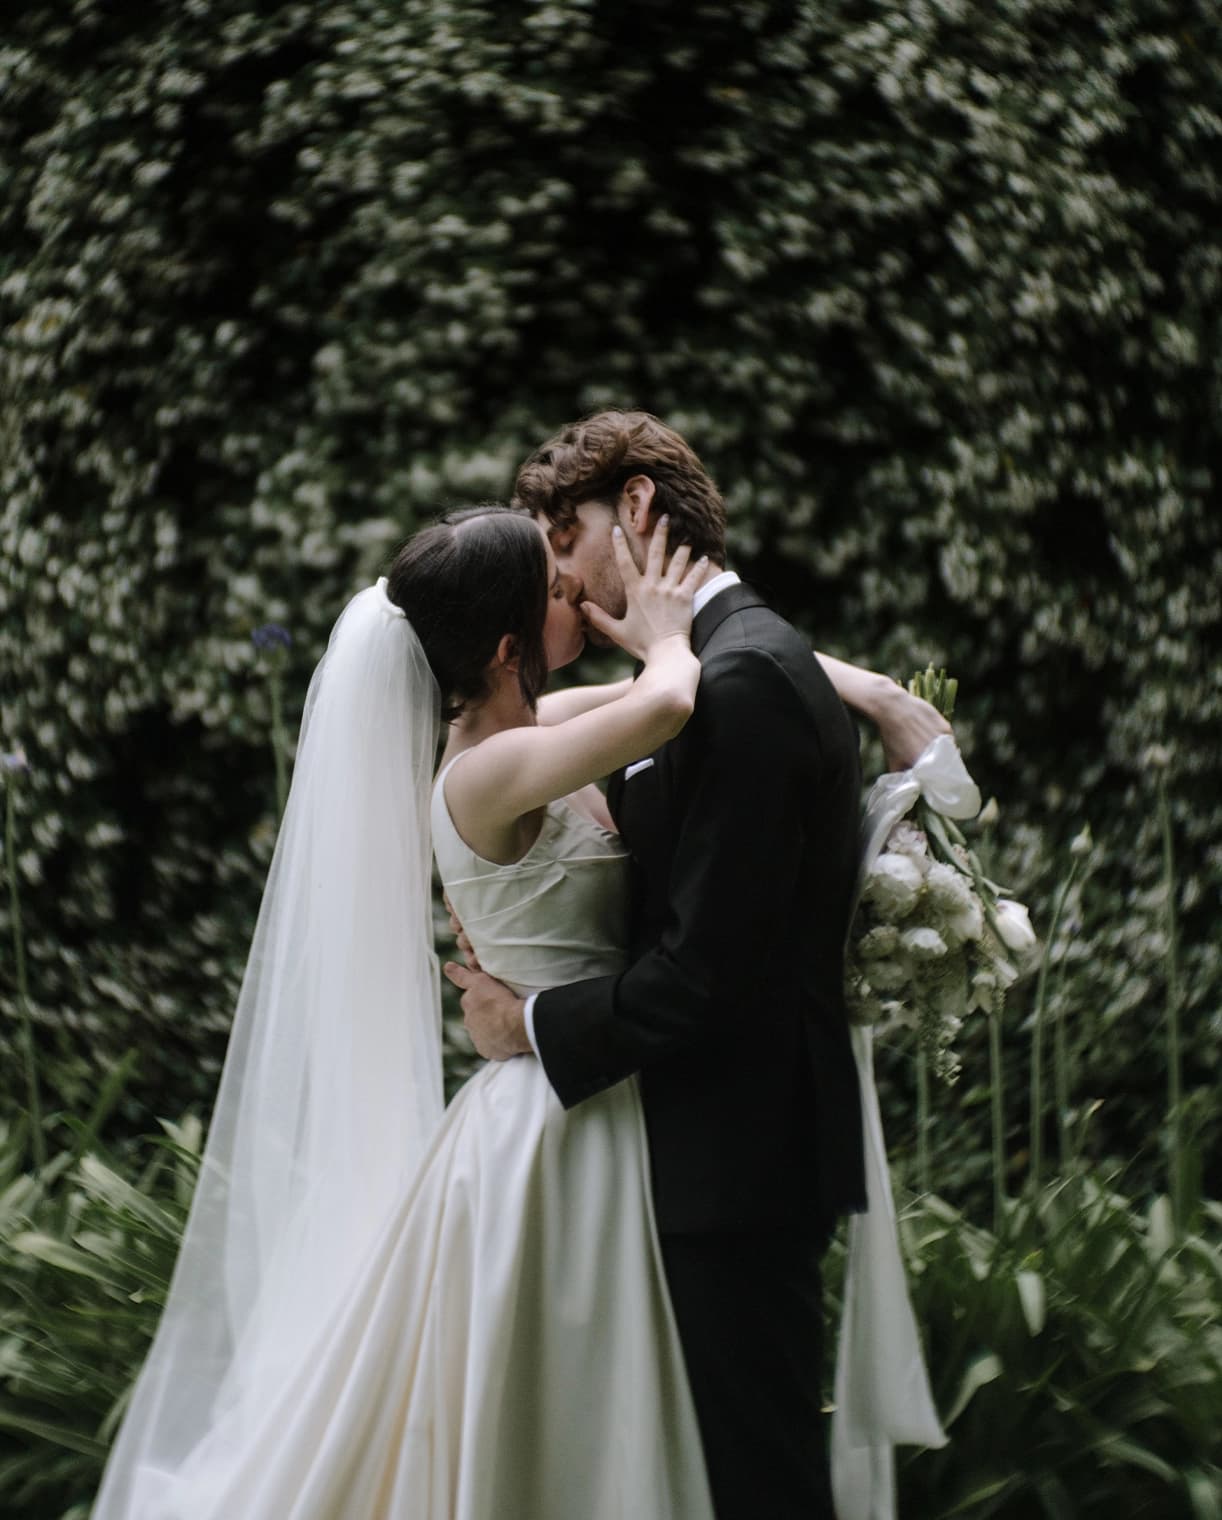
332	1083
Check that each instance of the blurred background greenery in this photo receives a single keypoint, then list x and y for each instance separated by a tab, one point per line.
934	288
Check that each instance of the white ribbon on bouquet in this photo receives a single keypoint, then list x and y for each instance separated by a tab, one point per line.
882	1390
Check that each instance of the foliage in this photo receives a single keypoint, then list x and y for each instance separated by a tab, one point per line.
1076	1358
86	1252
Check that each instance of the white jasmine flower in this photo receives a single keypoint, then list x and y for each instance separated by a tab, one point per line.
893	884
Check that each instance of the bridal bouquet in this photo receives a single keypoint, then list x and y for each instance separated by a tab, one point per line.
934	939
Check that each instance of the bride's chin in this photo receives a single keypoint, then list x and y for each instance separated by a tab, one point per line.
557	659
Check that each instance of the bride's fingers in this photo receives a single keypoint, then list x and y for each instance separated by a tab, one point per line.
623	557
598	619
656	557
678	564
693	573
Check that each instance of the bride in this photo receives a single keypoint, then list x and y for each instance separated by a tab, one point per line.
380	1309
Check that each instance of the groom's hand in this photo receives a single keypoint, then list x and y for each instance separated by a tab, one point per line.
492	1014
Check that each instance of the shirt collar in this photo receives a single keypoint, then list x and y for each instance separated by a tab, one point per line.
710	589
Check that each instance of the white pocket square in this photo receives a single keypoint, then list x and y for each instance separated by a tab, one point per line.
637	765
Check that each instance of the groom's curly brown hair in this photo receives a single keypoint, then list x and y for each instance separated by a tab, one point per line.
591	460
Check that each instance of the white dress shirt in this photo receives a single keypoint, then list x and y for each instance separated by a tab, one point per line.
700	600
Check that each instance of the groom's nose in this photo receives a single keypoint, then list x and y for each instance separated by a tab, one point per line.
574	589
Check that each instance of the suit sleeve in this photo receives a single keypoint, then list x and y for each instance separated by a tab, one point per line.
738	849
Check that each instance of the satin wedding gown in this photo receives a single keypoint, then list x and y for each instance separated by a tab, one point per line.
509	1350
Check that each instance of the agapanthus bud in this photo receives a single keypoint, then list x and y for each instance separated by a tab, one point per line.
271	636
1082	842
15	763
988	814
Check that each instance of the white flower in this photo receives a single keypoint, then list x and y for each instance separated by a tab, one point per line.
893	885
906	839
888	976
968	922
1014	927
880	943
984	985
923	944
947	888
1003	970
1082	842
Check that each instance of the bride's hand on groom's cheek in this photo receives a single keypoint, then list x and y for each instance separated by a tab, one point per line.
493	1016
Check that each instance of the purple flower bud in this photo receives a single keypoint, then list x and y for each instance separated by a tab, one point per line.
271	636
15	764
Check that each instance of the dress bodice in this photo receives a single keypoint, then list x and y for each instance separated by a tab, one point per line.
558	915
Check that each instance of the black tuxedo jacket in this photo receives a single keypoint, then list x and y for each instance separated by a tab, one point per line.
744	838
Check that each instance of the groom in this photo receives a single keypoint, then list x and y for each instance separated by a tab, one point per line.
744	836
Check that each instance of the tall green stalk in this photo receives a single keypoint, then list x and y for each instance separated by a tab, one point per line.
1037	1031
23	987
279	739
923	1117
273	644
998	1106
1175	1079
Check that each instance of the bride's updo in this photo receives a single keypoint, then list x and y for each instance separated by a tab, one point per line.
466	581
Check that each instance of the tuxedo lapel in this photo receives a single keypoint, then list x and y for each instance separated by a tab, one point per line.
714	613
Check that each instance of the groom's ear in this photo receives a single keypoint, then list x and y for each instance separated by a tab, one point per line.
638	504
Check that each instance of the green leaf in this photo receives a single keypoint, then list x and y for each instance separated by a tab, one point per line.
1031	1296
985	1369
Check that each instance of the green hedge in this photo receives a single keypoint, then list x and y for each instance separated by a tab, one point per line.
933	287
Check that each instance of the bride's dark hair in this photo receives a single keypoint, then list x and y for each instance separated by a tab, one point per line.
466	581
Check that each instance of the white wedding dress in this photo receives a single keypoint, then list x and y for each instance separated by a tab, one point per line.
508	1351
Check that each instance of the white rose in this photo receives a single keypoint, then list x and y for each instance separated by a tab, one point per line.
893	884
1014	927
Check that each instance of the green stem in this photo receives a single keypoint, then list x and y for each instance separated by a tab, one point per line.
1037	1032
1060	1069
997	1097
23	986
1179	1201
922	1070
278	740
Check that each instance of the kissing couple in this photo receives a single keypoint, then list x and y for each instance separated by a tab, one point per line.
589	1288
